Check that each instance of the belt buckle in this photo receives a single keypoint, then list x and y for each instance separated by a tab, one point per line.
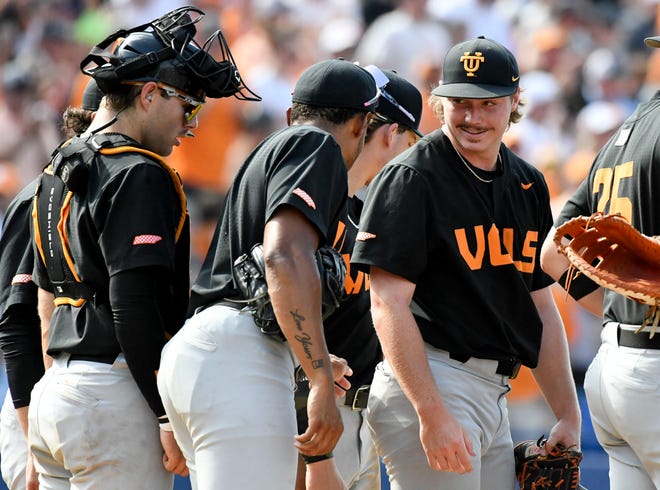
360	390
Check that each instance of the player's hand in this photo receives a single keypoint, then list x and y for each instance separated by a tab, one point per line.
173	459
340	369
325	425
564	434
31	477
446	444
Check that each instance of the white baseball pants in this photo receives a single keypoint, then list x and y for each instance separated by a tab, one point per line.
475	395
228	392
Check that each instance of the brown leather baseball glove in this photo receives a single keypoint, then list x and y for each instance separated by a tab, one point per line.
611	252
559	470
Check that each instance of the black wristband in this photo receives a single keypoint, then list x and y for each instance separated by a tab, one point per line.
578	284
316	459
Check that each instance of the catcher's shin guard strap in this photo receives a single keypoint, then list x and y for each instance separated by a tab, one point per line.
576	284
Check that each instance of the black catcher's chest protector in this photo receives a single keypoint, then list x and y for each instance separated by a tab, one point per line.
65	176
63	183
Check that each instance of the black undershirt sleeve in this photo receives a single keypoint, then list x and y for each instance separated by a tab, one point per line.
136	308
20	339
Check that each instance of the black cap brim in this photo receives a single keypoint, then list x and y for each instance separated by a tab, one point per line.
473	91
653	42
416	131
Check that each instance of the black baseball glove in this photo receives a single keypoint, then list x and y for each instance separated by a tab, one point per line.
250	276
332	270
559	469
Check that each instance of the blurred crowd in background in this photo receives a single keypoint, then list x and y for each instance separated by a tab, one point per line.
584	67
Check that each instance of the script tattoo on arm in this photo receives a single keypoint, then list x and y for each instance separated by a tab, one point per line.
305	339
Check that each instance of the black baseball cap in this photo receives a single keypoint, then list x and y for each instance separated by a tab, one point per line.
653	42
337	83
400	101
478	69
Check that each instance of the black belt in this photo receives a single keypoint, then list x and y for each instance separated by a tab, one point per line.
107	359
642	340
505	367
357	398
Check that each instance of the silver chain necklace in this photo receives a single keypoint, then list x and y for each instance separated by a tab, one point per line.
469	167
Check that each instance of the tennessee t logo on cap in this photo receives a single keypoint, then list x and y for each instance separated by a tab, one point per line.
471	63
479	68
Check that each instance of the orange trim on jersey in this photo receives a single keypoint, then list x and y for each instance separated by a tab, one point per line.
176	180
63	300
35	225
61	229
35	220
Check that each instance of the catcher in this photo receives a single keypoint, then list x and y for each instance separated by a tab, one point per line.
605	257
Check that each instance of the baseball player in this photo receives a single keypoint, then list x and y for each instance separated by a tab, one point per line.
451	234
111	240
20	336
349	331
620	383
227	387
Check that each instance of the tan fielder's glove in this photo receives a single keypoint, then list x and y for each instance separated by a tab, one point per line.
557	471
611	252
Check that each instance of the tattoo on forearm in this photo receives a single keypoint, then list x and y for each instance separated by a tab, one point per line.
298	318
305	339
306	342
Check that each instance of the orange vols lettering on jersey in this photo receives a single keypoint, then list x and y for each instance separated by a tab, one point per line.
500	248
360	283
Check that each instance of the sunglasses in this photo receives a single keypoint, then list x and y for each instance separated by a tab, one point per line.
381	82
191	105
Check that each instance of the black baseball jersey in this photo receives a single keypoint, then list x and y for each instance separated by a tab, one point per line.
624	178
16	258
349	331
471	247
300	166
132	214
20	333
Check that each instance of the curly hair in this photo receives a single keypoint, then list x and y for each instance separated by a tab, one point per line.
334	115
75	121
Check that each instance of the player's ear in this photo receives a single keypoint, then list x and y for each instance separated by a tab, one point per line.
146	95
391	132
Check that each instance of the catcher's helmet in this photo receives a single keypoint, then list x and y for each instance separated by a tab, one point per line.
164	50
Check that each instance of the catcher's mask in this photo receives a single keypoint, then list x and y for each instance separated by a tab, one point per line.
164	50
